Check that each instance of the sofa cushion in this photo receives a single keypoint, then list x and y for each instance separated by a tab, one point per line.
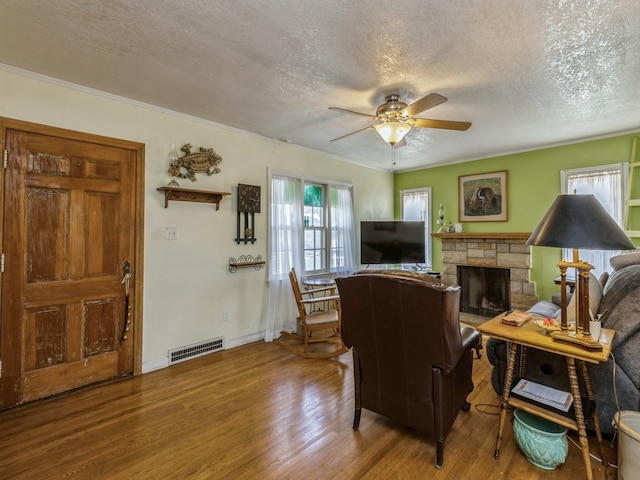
595	297
544	309
625	259
620	285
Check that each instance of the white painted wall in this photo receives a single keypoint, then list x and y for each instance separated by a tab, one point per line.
187	286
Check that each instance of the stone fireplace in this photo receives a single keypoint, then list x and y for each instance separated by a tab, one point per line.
494	250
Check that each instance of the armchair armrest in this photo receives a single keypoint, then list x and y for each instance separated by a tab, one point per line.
470	338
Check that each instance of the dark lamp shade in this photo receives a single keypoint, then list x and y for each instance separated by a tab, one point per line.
580	222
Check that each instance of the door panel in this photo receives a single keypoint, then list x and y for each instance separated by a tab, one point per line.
101	237
69	211
46	220
46	328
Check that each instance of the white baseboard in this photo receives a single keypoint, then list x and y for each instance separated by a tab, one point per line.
236	342
160	363
155	365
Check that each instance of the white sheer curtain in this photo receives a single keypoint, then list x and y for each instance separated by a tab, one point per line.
343	231
285	252
607	184
416	206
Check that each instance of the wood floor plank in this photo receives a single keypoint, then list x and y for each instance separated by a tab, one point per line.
255	412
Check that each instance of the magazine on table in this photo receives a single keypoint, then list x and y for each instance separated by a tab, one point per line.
542	394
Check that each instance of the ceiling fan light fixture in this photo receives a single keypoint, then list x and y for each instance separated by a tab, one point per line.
392	132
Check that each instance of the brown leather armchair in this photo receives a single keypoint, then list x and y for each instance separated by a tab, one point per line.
412	360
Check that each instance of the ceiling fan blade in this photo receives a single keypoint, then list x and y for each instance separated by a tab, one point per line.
425	103
444	124
401	143
344	110
353	133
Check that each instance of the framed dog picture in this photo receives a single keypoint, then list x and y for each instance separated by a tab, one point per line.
482	197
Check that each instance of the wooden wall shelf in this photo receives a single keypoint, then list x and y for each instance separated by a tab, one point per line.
191	195
245	261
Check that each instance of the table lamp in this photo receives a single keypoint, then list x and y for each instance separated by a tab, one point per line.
578	222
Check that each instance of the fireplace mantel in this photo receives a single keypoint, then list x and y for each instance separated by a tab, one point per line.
476	235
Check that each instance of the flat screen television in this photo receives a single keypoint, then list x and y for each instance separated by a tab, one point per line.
392	242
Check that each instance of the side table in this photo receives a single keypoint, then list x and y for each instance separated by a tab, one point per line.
531	336
571	283
318	283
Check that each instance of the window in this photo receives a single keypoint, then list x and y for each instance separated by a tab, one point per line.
607	183
323	227
311	229
415	205
315	230
328	221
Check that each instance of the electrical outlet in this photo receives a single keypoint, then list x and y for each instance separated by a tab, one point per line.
226	315
171	233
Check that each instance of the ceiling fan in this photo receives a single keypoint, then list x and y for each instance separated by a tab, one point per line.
397	118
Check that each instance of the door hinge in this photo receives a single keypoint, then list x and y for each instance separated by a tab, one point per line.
2	263
5	155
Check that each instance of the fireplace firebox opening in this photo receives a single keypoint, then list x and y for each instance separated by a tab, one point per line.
484	290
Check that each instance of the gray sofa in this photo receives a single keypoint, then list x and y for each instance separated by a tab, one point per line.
621	299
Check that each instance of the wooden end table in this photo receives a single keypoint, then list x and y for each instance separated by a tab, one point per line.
530	335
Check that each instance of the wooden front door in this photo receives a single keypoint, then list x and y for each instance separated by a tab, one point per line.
69	222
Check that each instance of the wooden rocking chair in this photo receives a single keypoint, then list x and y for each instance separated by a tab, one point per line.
318	326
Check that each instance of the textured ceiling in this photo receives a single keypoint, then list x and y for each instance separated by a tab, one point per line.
527	74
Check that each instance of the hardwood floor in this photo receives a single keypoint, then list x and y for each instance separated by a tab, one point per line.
255	412
473	319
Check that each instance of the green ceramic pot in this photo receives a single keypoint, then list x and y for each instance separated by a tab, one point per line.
544	443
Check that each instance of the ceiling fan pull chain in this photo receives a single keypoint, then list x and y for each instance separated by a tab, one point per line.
393	158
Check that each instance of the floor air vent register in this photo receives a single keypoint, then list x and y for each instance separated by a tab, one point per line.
196	350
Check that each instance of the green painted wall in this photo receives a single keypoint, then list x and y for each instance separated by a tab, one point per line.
533	183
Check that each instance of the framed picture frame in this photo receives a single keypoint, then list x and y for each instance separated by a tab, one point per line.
482	197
